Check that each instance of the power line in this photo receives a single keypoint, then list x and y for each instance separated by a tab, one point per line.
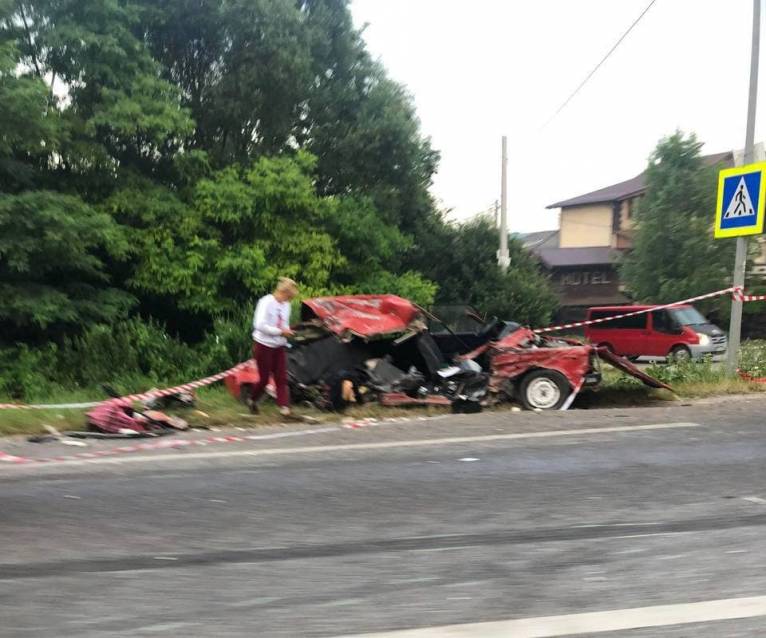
598	66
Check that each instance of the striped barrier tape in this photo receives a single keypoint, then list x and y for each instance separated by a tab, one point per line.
749	377
739	295
193	385
589	322
172	444
736	292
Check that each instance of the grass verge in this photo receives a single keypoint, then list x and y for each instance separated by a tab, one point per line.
216	408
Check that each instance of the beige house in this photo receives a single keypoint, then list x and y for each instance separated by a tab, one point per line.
605	217
594	229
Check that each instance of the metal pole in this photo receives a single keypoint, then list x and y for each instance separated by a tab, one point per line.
503	258
740	261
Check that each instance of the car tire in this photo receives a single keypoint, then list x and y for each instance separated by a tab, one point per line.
543	390
680	354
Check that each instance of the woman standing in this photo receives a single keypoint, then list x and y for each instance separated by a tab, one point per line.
271	329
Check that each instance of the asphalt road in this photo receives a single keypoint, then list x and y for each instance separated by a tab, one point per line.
463	520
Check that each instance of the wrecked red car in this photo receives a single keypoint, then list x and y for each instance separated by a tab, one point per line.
360	348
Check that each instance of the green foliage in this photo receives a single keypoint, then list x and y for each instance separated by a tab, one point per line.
172	159
51	274
132	355
674	255
462	259
119	112
25	372
752	358
410	285
674	373
241	229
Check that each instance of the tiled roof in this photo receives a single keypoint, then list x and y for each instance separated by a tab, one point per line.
539	240
634	186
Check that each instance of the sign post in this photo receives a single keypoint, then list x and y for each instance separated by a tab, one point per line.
735	327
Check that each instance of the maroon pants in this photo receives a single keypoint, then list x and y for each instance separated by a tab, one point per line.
272	362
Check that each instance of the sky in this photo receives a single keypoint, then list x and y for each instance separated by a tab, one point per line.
481	69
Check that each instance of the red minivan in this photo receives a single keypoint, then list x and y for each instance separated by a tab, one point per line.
680	332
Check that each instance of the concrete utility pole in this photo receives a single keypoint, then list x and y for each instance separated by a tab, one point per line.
740	261
503	259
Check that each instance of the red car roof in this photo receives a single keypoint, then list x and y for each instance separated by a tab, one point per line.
366	316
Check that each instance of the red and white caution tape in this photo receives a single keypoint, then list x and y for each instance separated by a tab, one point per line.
193	385
749	377
739	295
49	406
10	458
578	324
177	444
186	387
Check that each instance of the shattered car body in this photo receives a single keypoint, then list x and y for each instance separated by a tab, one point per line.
117	416
360	348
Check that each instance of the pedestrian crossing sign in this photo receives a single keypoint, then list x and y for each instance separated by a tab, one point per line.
741	200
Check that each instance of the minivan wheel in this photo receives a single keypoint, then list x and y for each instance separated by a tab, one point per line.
679	354
544	390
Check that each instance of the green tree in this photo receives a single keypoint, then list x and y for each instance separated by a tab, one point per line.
242	228
462	260
674	255
53	246
264	77
53	279
117	114
243	69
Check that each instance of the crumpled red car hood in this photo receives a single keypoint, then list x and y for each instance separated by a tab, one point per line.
365	316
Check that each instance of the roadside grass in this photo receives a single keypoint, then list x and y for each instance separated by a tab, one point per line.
689	380
216	408
618	390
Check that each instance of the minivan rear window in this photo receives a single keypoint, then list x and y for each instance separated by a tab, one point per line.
636	322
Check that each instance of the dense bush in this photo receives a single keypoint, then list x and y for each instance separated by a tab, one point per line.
130	356
687	372
752	358
170	164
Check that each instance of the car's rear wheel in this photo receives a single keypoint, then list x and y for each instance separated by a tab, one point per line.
544	390
680	354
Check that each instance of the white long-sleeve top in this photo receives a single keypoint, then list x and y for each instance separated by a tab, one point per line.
271	317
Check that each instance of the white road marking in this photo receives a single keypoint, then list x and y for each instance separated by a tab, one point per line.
593	622
468	459
160	628
350	447
754	499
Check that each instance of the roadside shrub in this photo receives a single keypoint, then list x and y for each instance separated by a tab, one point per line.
229	342
25	373
752	358
130	352
704	371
